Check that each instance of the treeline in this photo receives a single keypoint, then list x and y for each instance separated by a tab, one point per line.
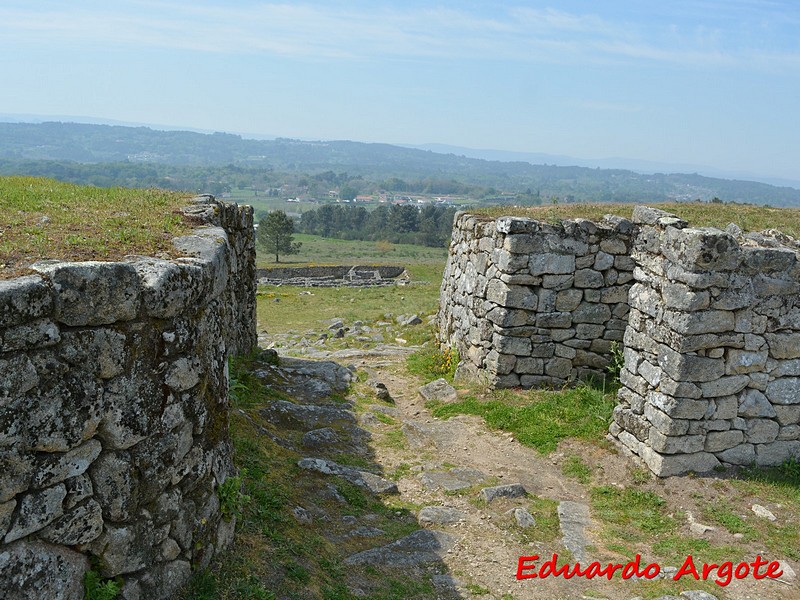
429	225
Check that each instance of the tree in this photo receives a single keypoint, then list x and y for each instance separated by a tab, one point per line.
275	233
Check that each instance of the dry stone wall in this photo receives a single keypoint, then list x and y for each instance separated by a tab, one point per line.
712	350
533	304
708	321
113	412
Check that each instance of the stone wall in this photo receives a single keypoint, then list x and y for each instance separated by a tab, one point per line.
712	349
532	304
113	412
711	323
331	276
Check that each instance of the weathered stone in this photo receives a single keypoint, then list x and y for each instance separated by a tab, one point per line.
783	345
421	547
699	322
683	444
34	569
364	479
591	313
305	416
320	438
35	511
169	288
724	386
755	404
776	452
761	431
523	518
717	441
787	415
115	485
511	345
681	297
678	464
784	391
440	515
684	367
93	293
664	423
678	408
551	264
568	300
439	390
702	249
183	374
54	468
574	519
81	525
743	454
588	278
513	490
743	361
128	548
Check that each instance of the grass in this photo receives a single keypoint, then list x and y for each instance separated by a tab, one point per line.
432	363
576	468
298	310
749	217
631	514
317	250
46	219
540	419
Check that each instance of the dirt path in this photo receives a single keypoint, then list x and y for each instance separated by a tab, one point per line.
469	547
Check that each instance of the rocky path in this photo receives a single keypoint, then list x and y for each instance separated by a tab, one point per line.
474	492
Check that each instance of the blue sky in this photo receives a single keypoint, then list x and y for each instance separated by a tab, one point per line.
709	82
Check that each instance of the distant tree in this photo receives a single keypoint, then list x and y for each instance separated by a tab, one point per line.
275	233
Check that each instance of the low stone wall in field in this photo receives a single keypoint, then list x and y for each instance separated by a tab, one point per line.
331	276
114	412
706	322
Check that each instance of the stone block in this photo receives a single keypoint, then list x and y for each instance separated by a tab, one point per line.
558	367
568	300
761	431
34	569
55	468
558	282
664	423
24	299
755	404
551	264
784	391
743	361
678	464
603	261
680	296
743	454
588	331
726	407
591	313
702	249
588	278
683	444
93	293
699	322
80	525
787	415
718	441
680	389
783	345
650	373
115	485
507	317
686	367
790	432
35	511
614	246
678	408
169	288
776	452
529	366
724	386
557	320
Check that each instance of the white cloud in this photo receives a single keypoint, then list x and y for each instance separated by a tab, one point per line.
326	31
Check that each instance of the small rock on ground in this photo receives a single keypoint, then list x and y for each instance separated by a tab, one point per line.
523	517
419	547
365	479
440	515
439	390
512	490
574	518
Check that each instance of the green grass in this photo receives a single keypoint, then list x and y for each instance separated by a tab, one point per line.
631	514
296	310
540	419
575	467
432	363
317	250
43	218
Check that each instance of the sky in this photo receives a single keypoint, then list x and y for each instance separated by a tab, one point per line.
711	82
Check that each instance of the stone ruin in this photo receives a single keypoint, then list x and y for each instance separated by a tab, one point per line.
333	276
705	322
114	412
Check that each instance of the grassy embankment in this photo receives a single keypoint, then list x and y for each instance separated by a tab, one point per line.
43	218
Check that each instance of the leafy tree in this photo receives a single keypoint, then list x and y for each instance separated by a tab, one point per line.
275	233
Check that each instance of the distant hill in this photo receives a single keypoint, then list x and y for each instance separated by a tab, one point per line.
24	147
